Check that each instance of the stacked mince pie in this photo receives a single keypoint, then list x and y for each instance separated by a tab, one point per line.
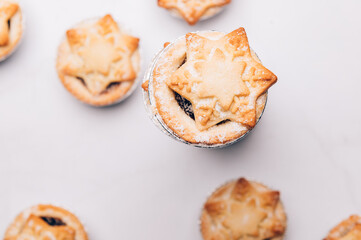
206	89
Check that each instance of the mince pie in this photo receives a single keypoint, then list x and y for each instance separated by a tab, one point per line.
11	27
208	88
98	62
243	210
193	10
45	222
349	229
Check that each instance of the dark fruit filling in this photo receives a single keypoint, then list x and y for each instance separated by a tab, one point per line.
81	80
185	105
53	221
224	121
184	61
113	84
110	86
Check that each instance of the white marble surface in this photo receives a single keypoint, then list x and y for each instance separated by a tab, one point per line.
126	179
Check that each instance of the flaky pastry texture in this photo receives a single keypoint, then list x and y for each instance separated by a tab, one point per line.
243	210
97	62
349	229
192	10
46	222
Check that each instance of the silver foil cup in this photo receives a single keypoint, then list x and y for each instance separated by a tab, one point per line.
150	105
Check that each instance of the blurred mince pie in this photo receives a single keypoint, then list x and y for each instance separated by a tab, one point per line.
46	222
98	62
11	27
193	10
349	229
243	210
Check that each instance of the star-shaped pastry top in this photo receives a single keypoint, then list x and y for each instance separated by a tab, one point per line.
37	229
221	79
101	55
244	213
192	10
7	11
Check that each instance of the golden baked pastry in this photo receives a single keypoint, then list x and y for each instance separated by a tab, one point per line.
209	87
243	210
97	62
11	27
350	229
45	222
193	10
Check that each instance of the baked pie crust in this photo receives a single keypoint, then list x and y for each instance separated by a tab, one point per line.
11	27
45	222
222	80
193	10
350	229
99	63
243	210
